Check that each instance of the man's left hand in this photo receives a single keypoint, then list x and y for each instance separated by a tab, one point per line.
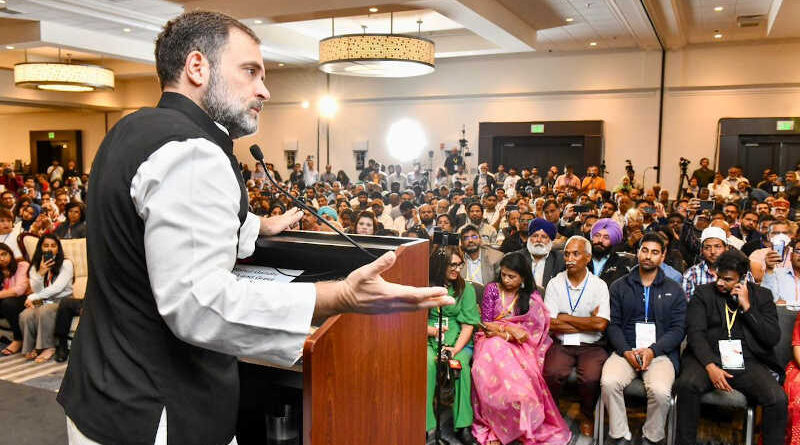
647	355
743	295
277	224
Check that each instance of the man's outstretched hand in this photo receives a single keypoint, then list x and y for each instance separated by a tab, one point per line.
277	224
364	291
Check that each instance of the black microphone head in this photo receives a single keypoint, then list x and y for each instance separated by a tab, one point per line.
255	150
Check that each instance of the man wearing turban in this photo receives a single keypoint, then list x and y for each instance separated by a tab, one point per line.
545	263
607	262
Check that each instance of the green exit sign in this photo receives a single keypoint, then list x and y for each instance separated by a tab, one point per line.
537	128
51	135
785	125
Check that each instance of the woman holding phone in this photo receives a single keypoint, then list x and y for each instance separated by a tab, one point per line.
51	277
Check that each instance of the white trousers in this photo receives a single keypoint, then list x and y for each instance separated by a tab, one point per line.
75	437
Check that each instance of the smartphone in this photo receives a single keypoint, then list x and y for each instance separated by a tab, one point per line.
47	256
706	204
510	208
581	209
650	210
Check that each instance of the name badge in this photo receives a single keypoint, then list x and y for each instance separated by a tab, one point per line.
645	335
571	340
731	353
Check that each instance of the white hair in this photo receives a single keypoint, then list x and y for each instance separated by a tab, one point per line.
587	245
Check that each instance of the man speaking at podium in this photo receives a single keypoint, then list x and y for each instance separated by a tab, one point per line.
154	360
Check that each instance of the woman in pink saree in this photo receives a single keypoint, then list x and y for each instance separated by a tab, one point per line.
510	398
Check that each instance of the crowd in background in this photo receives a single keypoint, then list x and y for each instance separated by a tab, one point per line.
554	275
558	274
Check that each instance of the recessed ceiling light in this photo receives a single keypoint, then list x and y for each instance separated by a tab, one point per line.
569	19
719	8
126	29
9	47
373	9
281	64
258	22
592	43
717	36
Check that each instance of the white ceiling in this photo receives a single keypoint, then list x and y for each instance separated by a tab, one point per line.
122	32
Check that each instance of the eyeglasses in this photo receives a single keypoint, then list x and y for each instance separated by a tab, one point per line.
471	238
455	266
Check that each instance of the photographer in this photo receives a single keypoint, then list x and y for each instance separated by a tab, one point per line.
704	175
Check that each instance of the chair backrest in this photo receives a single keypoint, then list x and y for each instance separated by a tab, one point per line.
783	350
27	244
75	250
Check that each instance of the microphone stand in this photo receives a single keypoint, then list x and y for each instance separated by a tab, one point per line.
256	152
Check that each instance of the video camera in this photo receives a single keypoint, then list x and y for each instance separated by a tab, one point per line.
445	238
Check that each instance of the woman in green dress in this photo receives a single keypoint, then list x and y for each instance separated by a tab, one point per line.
458	323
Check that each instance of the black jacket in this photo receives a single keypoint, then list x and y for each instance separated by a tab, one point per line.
553	264
490	181
706	325
617	266
669	309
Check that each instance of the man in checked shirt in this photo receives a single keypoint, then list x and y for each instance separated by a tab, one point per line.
713	243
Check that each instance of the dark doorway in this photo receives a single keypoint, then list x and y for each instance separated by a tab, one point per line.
539	151
759	143
63	146
777	152
541	144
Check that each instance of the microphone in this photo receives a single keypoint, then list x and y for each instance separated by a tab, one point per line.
255	151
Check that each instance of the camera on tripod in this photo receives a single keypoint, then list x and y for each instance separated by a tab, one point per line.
684	163
628	166
445	238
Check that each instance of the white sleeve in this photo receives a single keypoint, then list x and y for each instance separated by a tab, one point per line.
550	296
59	284
603	299
188	198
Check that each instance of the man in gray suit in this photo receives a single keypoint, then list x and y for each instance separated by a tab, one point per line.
481	262
545	263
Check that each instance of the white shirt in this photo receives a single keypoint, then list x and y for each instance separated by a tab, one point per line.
60	286
10	239
474	269
595	295
188	200
537	268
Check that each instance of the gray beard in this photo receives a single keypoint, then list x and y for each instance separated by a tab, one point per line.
221	109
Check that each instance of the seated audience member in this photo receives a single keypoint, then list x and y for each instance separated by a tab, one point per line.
445	222
517	237
606	262
12	294
458	323
51	277
645	335
365	223
781	279
75	225
511	348
747	228
475	218
9	233
347	219
481	261
713	243
68	308
577	302
792	387
732	328
777	239
543	261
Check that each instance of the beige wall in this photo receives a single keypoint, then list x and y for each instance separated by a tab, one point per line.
705	84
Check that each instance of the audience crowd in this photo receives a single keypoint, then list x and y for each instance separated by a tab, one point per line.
561	281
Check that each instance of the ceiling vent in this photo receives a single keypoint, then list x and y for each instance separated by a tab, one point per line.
749	21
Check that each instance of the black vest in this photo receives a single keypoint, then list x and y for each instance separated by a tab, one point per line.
126	365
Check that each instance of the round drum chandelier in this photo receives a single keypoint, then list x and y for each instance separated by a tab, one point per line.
377	55
60	76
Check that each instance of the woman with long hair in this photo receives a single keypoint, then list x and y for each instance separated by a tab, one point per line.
511	400
12	294
51	277
342	177
458	323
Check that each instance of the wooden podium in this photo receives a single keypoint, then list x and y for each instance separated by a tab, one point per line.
363	378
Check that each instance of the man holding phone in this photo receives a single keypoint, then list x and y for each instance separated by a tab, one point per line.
732	328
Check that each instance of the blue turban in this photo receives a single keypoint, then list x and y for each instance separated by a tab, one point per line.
327	210
610	226
542	224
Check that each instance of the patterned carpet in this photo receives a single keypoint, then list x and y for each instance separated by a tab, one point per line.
16	369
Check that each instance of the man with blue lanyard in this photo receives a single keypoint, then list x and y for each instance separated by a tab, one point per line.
579	312
648	312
